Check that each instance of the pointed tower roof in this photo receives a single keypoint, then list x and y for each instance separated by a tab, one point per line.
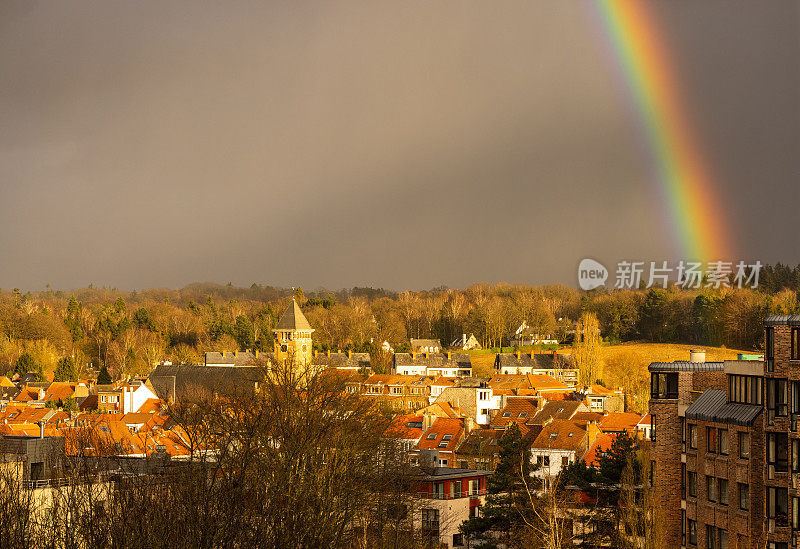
293	319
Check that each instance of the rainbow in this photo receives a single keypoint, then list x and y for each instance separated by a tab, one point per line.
678	162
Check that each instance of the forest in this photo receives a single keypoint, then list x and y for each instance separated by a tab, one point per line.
127	332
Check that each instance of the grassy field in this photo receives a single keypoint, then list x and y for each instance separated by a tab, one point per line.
483	362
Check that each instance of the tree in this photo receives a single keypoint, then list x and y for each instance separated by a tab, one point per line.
244	332
66	370
103	378
640	508
586	348
26	364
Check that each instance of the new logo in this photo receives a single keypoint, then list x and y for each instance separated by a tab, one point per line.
591	274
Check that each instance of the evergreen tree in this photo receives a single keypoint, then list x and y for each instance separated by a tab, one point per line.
104	378
66	370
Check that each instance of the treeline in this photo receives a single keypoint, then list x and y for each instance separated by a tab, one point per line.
129	332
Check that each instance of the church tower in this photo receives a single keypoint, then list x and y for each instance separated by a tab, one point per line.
293	338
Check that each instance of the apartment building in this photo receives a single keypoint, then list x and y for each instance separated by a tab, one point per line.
721	439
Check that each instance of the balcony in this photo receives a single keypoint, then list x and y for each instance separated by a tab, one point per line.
457	495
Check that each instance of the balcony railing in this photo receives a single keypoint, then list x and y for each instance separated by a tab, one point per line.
457	495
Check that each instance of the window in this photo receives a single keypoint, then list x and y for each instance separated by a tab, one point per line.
711	537
711	489
683	481
564	461
795	455
722	491
506	414
745	389
430	521
683	527
693	436
723	538
691	530
795	513
722	436
522	414
744	496
683	434
447	437
485	411
795	344
744	445
691	483
711	440
431	436
474	487
438	490
778	451
769	347
778	505
653	427
458	540
664	385
443	462
543	461
777	397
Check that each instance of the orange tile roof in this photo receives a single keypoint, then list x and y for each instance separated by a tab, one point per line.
59	391
561	434
601	444
515	409
5	382
399	428
443	431
151	405
619	421
600	390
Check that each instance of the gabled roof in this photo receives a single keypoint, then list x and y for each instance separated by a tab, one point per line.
433	360
516	409
406	427
444	435
537	361
293	319
560	409
601	444
338	360
619	421
560	434
5	382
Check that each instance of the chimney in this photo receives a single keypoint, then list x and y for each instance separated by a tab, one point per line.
41	429
223	354
328	352
427	420
413	355
427	354
349	353
533	355
697	355
315	352
469	425
257	353
429	460
519	354
448	355
235	353
463	340
555	353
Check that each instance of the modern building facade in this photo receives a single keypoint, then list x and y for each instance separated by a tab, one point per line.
726	446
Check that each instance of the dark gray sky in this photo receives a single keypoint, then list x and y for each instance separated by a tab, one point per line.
395	144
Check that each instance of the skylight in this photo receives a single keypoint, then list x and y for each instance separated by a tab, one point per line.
447	437
553	435
432	436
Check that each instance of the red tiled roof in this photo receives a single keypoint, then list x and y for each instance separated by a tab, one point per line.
438	433
561	434
601	444
619	421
